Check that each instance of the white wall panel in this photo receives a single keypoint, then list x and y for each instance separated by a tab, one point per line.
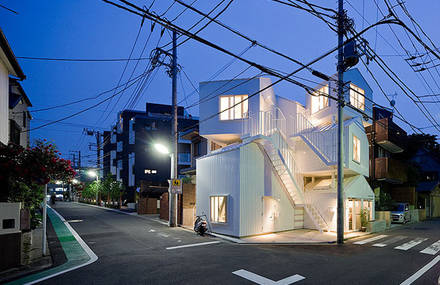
220	175
258	180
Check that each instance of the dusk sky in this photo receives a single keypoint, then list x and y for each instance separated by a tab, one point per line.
86	29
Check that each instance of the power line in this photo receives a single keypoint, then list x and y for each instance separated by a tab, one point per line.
10	10
86	99
79	112
81	59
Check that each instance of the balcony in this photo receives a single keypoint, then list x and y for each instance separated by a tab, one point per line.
390	136
390	170
184	158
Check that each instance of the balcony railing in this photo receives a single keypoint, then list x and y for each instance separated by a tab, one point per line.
184	158
390	136
389	169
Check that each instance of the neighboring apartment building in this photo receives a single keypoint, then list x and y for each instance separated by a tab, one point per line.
428	188
199	147
19	115
132	156
8	67
272	162
388	167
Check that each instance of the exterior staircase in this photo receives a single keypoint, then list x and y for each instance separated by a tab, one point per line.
321	141
272	139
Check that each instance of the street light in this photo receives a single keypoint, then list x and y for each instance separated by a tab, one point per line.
93	173
172	197
161	148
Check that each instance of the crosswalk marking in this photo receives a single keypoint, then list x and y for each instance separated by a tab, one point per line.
370	239
389	241
411	244
432	249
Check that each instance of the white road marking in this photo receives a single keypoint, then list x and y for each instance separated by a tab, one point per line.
389	241
370	239
74	221
163	235
411	244
86	248
193	244
422	271
432	249
265	281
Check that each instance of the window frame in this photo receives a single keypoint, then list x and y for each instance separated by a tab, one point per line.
212	218
358	152
230	113
321	99
356	92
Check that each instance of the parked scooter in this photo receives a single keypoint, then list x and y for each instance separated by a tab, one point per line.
201	225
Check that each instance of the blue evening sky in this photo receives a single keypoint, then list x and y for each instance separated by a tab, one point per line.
96	30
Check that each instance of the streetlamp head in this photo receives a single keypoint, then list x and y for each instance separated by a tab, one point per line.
92	173
161	148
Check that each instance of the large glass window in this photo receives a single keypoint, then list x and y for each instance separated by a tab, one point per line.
356	149
218	209
238	112
320	99
357	97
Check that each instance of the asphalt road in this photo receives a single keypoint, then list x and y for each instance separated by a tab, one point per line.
132	250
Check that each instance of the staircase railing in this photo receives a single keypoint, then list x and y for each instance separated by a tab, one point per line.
323	141
272	124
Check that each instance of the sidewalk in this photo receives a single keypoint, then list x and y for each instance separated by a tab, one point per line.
77	253
31	256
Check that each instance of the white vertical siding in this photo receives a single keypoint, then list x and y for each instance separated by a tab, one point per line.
4	104
220	175
264	205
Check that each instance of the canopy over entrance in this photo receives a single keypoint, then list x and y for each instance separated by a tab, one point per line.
357	187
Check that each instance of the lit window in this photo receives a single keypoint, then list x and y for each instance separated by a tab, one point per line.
218	209
357	97
240	111
320	101
356	149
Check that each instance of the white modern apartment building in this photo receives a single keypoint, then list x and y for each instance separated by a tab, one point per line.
272	162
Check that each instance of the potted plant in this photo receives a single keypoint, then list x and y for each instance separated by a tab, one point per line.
364	220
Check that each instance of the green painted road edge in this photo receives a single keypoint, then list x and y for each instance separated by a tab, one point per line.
77	252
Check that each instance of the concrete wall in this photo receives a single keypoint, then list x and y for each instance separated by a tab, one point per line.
4	104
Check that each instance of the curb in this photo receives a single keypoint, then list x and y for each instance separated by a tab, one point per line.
77	251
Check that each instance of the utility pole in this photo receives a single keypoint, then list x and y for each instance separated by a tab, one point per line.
340	199
174	158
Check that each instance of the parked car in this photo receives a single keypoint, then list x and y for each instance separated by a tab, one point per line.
400	213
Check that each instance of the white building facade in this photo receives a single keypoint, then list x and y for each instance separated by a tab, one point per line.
271	162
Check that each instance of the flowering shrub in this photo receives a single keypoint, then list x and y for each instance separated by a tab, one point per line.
37	165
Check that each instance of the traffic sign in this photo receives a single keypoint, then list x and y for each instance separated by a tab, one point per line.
176	186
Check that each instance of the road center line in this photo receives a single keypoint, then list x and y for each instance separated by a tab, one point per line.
193	244
422	271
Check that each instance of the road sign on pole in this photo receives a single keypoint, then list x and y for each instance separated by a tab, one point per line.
176	186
